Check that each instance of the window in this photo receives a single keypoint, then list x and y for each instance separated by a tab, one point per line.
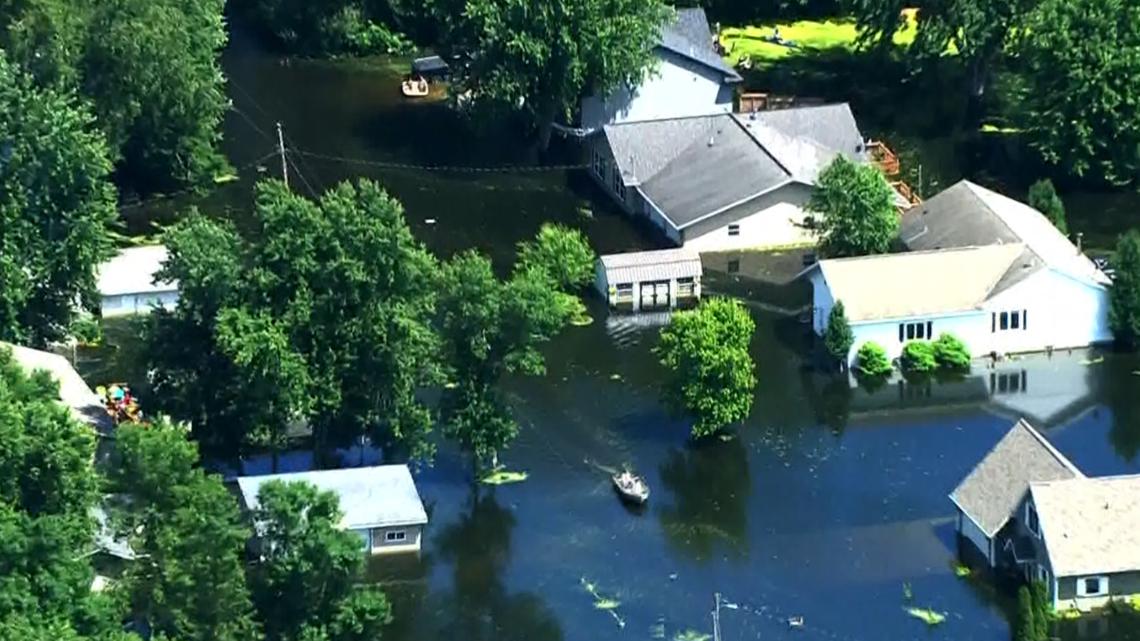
1092	586
1008	320
734	265
734	230
395	536
1015	321
1005	320
916	331
1031	521
618	184
598	163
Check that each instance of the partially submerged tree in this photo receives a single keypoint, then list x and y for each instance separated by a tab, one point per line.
917	357
56	208
856	209
563	253
1043	197
950	353
1124	294
1079	98
542	56
838	337
871	360
711	376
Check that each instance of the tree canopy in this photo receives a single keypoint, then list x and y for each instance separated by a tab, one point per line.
331	27
324	315
1079	96
1124	295
56	205
710	374
542	56
1043	197
563	253
856	210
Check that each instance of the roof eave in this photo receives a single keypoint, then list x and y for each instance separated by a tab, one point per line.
989	535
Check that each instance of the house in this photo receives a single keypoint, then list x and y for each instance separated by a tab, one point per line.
987	500
724	181
688	78
647	280
110	552
1027	508
127	282
85	405
380	503
988	269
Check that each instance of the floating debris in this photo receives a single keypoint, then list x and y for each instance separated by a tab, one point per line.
691	635
429	221
582	320
504	477
907	594
961	571
606	604
602	602
657	630
927	616
615	377
225	178
1093	361
795	622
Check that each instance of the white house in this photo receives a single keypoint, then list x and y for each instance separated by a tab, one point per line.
127	282
986	268
725	181
660	279
380	503
688	79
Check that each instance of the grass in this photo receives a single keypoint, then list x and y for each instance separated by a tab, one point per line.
809	35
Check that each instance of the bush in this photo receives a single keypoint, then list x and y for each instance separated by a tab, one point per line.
838	337
951	353
918	356
871	360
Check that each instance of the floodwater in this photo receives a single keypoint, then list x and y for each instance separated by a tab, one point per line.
827	502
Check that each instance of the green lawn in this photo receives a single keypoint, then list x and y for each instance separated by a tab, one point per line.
741	42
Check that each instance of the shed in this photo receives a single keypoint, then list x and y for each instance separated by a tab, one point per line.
431	67
380	503
127	282
636	281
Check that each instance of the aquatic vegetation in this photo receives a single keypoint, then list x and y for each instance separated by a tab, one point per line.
602	602
1093	361
961	571
582	319
503	477
927	616
907	594
606	604
691	635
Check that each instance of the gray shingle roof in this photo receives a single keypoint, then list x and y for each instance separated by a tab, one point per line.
378	496
659	264
832	127
689	36
992	490
968	215
1090	526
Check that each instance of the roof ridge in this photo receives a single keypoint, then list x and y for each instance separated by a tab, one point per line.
1061	458
752	136
921	252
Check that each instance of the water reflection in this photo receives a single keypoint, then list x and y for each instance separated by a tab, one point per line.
709	486
478	546
1121	395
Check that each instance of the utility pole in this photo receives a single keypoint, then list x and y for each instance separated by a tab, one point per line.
281	150
716	617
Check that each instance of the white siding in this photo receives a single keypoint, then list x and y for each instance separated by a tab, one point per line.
675	87
777	224
1060	312
821	302
410	543
972	533
972	328
125	304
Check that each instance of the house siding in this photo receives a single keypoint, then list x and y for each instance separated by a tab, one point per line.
968	327
126	304
1060	312
674	87
1120	585
821	302
971	533
376	542
775	219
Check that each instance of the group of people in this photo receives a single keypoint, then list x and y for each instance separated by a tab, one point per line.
121	404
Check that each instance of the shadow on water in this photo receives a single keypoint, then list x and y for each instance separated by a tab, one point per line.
709	486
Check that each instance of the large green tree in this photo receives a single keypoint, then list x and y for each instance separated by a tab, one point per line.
56	205
856	210
1124	294
331	27
188	582
711	375
307	579
324	314
543	55
1081	58
563	253
490	328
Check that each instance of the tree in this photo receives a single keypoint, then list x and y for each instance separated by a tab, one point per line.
1043	197
491	328
541	56
188	582
1124	294
307	578
856	207
917	357
710	372
871	360
329	27
1080	58
56	205
1041	610
561	252
324	315
950	353
1026	621
838	337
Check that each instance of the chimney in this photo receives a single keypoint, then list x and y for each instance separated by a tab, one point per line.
1080	238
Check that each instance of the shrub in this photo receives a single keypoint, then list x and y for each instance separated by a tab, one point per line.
951	353
838	337
871	360
918	356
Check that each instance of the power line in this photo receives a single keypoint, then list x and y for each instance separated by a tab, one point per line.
443	168
181	192
297	170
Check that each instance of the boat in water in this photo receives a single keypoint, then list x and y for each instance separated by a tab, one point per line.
414	87
631	487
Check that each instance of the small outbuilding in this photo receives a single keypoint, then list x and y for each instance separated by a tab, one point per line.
380	503
127	282
430	67
660	279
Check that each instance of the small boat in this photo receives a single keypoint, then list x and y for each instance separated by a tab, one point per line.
631	487
795	622
414	88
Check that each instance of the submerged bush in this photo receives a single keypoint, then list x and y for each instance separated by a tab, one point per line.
918	356
871	360
951	353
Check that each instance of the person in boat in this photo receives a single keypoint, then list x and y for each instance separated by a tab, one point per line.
422	84
626	478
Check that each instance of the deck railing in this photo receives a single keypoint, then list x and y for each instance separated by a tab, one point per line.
906	192
758	101
883	157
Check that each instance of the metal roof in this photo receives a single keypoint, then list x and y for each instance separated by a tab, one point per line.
378	496
1090	525
661	264
132	272
689	36
991	492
